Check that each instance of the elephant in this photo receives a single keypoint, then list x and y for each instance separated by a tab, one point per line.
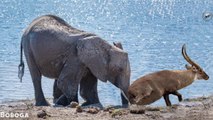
88	89
72	57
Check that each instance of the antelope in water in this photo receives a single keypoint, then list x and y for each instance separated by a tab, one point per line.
152	87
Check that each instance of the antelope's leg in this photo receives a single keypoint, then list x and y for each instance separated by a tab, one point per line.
178	95
166	98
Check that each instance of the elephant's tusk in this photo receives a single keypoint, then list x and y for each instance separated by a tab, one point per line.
124	95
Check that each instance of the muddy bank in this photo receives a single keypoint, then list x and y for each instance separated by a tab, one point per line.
190	109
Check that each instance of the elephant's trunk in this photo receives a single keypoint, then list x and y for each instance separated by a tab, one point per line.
124	98
124	94
124	85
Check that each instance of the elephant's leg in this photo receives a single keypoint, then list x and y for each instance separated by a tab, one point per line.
36	78
166	98
69	80
56	92
63	100
88	89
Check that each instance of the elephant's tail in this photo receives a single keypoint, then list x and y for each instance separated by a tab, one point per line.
21	65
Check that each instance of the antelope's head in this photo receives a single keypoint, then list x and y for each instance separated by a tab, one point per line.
194	66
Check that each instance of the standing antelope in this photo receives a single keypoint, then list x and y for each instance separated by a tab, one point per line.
152	87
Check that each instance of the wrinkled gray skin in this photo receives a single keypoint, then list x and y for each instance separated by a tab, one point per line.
56	50
88	88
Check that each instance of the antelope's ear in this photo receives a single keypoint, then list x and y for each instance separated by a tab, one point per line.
194	69
188	67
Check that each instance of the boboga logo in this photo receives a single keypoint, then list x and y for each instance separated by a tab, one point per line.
13	115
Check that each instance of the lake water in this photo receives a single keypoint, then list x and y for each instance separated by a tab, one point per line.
152	32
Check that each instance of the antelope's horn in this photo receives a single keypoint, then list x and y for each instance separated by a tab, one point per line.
187	58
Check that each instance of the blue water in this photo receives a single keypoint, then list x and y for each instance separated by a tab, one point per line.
152	32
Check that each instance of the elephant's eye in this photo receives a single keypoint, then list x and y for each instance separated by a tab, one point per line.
120	69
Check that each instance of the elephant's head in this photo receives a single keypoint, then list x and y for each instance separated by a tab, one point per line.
106	62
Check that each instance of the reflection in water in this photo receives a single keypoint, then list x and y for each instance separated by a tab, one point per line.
152	32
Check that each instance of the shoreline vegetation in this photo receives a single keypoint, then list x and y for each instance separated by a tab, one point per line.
190	109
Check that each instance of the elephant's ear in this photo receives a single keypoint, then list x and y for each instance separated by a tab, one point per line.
118	60
118	44
93	53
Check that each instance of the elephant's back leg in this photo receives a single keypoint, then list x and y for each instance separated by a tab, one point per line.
36	77
88	89
56	91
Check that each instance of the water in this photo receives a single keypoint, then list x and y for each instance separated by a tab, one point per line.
152	32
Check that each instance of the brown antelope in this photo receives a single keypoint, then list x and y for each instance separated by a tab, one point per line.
152	87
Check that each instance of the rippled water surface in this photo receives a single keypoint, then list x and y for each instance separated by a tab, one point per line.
152	32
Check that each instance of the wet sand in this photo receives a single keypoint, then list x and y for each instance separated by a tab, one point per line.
190	109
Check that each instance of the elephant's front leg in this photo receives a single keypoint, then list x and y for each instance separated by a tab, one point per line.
88	89
69	81
57	94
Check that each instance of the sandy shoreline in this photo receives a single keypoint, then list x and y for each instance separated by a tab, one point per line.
192	109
